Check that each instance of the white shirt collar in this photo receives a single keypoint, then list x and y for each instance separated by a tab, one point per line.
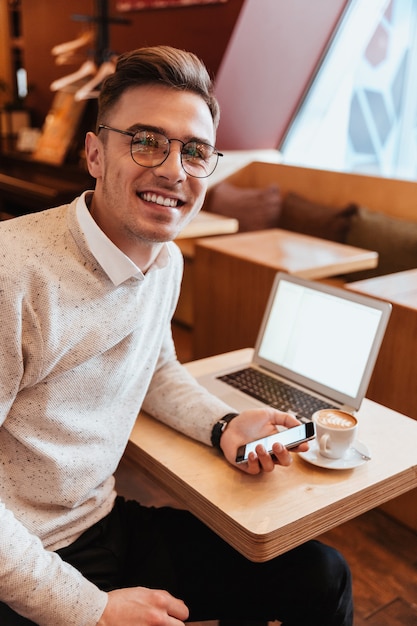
117	265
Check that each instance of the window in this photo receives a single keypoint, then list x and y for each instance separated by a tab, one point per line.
360	113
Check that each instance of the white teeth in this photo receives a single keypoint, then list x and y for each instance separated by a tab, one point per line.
152	197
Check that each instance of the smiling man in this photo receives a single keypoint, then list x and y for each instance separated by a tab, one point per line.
139	208
87	293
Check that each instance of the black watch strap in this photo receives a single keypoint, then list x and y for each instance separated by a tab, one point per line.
219	428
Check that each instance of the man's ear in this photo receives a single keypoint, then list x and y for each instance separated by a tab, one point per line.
94	155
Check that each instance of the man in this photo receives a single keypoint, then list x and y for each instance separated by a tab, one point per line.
87	295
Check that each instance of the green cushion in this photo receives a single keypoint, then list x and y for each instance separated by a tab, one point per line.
394	239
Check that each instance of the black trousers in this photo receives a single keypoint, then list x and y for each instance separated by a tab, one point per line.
170	549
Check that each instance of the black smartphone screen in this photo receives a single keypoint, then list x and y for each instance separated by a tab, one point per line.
289	438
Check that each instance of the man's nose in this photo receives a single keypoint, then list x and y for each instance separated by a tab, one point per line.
172	166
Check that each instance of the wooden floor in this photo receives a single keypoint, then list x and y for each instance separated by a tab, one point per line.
382	554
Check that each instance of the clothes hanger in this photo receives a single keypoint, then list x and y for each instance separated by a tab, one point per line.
87	69
71	46
89	89
70	58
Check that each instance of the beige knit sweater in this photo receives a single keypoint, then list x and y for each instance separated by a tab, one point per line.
78	359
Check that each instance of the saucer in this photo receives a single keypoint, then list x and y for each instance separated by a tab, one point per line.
351	459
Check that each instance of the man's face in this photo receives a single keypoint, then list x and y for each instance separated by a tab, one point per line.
138	206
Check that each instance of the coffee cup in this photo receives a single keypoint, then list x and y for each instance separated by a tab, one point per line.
335	432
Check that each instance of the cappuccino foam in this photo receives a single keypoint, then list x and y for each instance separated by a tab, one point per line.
335	419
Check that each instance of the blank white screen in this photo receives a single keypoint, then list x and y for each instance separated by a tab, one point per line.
320	336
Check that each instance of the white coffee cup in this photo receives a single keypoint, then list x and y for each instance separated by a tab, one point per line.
335	432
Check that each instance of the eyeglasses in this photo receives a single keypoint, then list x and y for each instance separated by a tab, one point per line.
150	149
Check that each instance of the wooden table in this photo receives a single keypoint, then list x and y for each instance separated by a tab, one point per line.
204	224
264	516
233	276
394	380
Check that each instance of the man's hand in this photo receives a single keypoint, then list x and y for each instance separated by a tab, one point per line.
147	607
254	424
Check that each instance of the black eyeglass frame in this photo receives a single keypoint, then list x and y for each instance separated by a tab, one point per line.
133	133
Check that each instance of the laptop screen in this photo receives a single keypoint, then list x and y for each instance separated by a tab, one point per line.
324	338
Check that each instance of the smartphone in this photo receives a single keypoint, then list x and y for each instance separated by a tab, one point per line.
290	438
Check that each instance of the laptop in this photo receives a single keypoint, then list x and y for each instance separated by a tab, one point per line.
316	348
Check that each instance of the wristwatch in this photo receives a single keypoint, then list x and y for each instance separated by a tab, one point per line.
219	428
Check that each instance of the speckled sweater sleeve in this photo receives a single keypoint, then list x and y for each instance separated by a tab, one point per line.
26	575
35	582
175	398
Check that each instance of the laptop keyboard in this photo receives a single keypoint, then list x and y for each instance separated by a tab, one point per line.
275	393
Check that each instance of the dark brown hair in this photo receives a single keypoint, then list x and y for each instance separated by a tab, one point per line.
160	65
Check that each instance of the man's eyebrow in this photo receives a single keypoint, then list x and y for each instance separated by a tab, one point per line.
136	127
157	129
